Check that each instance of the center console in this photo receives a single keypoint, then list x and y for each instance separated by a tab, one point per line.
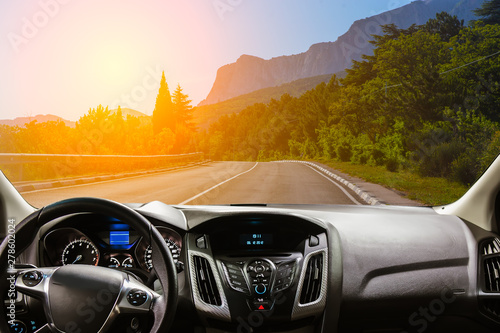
252	273
261	280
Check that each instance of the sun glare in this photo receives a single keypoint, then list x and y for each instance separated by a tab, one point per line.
112	65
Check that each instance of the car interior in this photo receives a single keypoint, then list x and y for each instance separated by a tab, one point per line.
94	265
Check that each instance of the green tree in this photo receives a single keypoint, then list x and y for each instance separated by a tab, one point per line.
96	131
489	12
473	72
183	111
364	71
163	114
445	25
411	66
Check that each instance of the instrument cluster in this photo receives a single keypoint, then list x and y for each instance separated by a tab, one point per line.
108	243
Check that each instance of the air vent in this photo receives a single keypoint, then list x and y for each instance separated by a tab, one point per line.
492	306
207	286
311	288
492	274
491	247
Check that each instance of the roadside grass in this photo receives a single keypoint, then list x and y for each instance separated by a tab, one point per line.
430	191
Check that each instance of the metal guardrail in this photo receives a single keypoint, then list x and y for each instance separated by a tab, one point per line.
8	158
62	165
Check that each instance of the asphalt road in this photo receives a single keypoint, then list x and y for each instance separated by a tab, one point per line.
214	183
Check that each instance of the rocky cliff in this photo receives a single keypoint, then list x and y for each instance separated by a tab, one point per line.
251	73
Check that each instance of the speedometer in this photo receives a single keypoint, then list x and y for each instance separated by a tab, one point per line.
80	251
148	254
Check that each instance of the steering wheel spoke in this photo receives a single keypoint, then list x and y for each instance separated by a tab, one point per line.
34	281
44	329
135	297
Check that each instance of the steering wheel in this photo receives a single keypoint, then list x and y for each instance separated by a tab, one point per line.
85	298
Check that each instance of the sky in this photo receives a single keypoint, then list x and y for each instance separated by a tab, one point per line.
63	57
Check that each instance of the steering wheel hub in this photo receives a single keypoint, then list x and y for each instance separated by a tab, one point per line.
82	296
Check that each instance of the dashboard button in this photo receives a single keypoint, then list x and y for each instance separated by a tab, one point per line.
260	288
236	283
261	304
201	242
313	241
259	269
235	278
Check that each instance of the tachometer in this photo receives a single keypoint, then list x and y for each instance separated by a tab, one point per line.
174	249
80	251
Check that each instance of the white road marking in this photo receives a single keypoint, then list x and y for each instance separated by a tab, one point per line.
340	187
215	186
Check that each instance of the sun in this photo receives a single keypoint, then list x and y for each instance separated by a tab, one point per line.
112	64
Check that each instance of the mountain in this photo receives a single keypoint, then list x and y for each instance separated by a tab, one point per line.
144	118
131	112
41	118
251	73
206	114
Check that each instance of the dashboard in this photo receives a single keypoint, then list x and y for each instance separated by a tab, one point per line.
295	268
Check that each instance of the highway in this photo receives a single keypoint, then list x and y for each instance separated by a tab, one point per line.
213	183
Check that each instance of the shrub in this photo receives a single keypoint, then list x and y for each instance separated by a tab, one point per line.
344	152
465	168
392	164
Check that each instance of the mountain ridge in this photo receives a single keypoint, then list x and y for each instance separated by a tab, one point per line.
250	73
42	118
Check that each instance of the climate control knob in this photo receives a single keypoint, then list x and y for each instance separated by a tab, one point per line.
260	288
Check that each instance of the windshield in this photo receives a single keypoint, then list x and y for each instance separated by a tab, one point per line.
249	102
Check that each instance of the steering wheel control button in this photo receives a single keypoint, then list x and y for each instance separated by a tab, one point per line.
137	297
32	278
18	326
235	278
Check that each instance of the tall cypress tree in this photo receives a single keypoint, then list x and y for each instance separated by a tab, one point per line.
182	108
163	114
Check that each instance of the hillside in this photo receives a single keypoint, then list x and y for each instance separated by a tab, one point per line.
40	118
251	73
207	114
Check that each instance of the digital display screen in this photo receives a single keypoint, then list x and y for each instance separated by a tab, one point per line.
256	240
119	237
